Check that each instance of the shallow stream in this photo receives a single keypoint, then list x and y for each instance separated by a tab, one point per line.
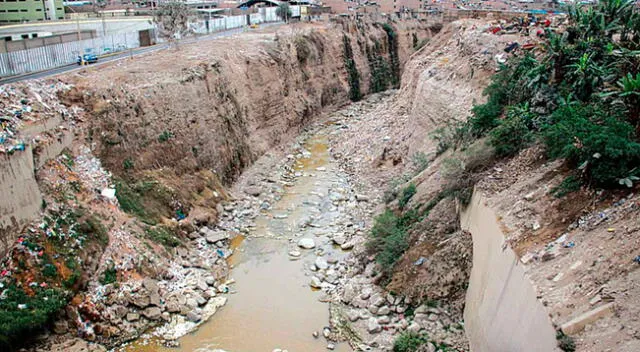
273	305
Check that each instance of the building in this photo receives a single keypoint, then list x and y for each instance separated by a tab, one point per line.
18	11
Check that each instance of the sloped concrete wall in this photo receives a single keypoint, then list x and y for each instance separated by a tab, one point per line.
20	197
502	313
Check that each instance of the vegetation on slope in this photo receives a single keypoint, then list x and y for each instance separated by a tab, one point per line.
580	97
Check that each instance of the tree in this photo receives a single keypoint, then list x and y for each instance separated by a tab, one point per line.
172	19
284	11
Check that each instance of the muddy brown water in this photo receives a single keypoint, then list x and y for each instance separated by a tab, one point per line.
274	306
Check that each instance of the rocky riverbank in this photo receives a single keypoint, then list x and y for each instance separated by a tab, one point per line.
362	313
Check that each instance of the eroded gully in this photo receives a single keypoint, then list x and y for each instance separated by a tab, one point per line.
277	300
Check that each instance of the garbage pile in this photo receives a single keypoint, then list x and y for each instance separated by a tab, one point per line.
530	27
25	105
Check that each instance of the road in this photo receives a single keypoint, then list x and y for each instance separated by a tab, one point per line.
125	54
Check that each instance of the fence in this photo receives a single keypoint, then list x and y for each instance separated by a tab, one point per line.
51	56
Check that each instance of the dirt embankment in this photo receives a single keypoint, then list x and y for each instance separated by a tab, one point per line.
580	250
219	105
439	85
171	130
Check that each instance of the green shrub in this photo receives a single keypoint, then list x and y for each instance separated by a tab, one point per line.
479	155
22	315
407	194
163	235
394	60
127	164
485	117
109	276
565	342
597	142
458	181
420	162
510	137
392	191
165	136
409	342
352	70
49	270
584	93
568	185
388	239
92	228
148	200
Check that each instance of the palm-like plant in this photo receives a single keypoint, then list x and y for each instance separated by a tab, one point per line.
630	85
586	75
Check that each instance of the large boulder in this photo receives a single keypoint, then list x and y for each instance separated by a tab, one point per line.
152	313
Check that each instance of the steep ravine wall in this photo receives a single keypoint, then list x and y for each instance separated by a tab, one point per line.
170	131
502	312
213	106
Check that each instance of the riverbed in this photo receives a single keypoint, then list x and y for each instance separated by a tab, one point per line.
271	304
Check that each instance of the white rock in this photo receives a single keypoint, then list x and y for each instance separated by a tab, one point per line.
321	263
295	253
339	239
373	327
346	246
315	282
414	327
384	310
306	243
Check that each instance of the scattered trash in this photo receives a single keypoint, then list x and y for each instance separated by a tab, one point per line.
511	47
420	261
637	259
569	245
109	193
21	108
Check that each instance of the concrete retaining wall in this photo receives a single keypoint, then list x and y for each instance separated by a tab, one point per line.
502	313
20	197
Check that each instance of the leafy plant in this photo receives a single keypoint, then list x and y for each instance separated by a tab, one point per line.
164	136
568	185
629	85
409	342
420	162
352	70
406	195
284	11
388	237
601	145
22	315
510	136
127	164
565	342
109	276
163	235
